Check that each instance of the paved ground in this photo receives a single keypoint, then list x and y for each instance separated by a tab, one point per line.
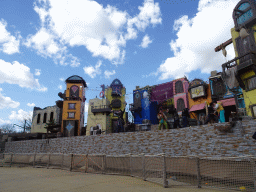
42	179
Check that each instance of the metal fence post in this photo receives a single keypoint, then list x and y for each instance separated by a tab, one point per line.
62	164
143	167
131	164
165	184
11	159
103	164
254	172
86	163
48	160
71	162
198	172
34	160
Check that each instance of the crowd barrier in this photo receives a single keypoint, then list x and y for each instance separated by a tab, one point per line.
233	173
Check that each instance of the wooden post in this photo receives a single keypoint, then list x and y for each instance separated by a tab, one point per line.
103	164
34	160
143	167
165	183
71	162
198	172
48	160
86	163
254	172
131	164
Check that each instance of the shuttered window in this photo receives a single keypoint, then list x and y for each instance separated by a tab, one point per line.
180	104
179	87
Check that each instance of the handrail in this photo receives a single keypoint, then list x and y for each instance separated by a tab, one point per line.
227	64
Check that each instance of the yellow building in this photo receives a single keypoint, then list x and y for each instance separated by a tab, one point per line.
198	93
243	39
73	106
115	94
98	119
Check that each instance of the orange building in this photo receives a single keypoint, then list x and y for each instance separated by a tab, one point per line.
198	93
73	106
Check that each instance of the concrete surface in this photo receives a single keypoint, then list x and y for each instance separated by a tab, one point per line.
41	179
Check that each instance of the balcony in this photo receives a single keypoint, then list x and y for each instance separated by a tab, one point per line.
247	62
101	109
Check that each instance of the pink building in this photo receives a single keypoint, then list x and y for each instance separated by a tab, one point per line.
180	91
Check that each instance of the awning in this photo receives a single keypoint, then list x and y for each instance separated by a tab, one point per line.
197	107
228	102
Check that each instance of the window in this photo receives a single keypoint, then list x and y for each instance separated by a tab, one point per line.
253	108
251	83
180	104
45	117
74	91
51	116
179	87
71	115
71	106
38	118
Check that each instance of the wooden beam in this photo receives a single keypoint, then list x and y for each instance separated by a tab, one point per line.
228	42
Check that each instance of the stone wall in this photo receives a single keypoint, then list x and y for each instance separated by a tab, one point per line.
199	140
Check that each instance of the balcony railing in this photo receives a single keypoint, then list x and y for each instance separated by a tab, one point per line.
101	109
228	65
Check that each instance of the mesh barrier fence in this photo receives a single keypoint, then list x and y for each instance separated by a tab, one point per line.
232	173
96	163
118	165
136	166
153	168
41	159
66	164
237	173
23	159
55	161
79	163
181	171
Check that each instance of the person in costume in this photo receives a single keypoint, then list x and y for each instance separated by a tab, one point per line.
162	119
220	109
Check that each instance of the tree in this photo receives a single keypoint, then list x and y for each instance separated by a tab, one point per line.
7	128
25	123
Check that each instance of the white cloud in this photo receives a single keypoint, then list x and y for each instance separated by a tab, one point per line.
109	73
62	79
19	74
93	71
2	121
60	86
103	31
6	102
20	115
86	106
38	72
31	104
197	38
8	43
145	41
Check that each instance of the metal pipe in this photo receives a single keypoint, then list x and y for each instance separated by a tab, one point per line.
223	45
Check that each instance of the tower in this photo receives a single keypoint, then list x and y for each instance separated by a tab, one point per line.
243	38
73	106
115	94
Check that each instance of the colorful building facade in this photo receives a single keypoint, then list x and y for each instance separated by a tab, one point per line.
180	94
98	119
199	93
115	94
143	107
73	106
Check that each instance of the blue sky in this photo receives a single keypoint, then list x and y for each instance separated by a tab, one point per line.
148	42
